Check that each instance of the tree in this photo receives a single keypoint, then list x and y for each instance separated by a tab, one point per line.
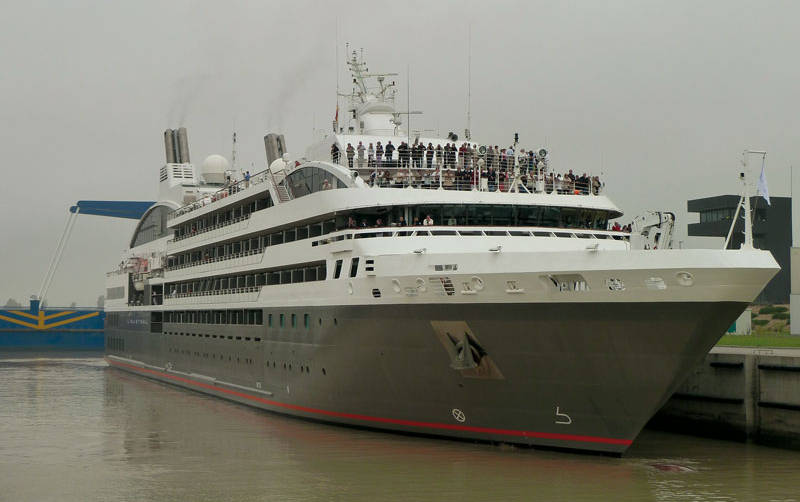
13	303
101	301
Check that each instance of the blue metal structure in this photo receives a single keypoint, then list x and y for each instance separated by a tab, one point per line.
52	328
131	209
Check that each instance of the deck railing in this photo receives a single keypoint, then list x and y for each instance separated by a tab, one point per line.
228	190
209	228
457	173
216	259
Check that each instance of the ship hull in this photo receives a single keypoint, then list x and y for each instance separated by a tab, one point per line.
584	376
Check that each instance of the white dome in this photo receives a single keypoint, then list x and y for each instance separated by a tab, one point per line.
215	164
214	168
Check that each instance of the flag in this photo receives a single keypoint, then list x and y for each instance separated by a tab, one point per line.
763	190
336	118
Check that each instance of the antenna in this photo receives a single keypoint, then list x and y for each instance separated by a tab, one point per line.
336	121
233	152
469	83
408	102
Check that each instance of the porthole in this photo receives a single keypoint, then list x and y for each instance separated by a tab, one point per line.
396	285
477	283
350	288
684	278
421	285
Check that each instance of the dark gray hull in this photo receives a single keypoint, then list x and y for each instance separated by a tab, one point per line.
581	376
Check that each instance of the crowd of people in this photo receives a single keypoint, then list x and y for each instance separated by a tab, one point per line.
462	167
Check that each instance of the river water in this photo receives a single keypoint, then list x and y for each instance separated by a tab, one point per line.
71	428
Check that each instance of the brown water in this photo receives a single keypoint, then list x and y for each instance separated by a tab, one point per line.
73	429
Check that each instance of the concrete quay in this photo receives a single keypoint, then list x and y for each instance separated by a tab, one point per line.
739	393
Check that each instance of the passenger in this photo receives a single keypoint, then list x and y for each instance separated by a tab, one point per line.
428	221
401	222
429	159
371	156
350	154
378	154
335	153
364	223
326	185
402	154
417	223
351	222
360	149
378	223
389	151
247	179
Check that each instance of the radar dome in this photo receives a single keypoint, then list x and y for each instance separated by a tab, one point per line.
214	168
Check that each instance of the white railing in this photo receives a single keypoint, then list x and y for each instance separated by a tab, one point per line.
210	228
222	193
216	259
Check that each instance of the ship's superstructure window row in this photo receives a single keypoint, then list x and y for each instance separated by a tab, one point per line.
441	214
224	216
229	284
254	244
235	316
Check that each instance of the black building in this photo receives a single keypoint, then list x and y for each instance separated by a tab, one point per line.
772	230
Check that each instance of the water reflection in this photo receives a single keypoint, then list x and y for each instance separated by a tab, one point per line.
74	429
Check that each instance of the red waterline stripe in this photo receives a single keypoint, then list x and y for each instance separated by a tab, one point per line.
395	421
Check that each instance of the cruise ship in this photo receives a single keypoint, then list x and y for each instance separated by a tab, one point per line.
455	290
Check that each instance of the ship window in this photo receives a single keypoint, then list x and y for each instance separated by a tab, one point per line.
337	271
269	320
309	180
281	320
153	226
297	275
354	267
294	320
306	321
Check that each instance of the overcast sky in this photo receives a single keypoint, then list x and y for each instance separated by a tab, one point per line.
661	97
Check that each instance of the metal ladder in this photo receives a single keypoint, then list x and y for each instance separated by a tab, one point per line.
283	192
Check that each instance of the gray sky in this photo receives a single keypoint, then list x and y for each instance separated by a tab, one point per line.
660	96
